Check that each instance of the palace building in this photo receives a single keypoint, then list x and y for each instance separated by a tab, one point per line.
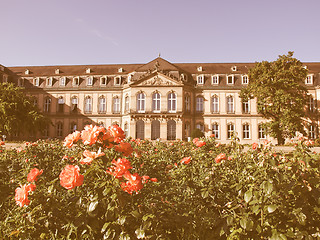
156	100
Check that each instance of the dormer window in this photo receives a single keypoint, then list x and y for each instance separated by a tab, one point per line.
62	81
129	78
230	79
27	72
215	79
89	81
49	81
36	82
57	71
200	79
103	81
120	70
117	80
199	69
234	68
75	81
88	70
309	79
245	79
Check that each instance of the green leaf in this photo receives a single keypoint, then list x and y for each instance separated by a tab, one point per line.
103	229
122	220
272	208
256	209
140	233
248	195
243	223
92	206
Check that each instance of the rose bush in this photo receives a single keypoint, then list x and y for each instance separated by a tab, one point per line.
157	190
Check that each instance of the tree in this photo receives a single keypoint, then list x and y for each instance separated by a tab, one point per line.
279	89
17	111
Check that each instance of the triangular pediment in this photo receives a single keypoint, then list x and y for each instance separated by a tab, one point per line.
157	79
158	64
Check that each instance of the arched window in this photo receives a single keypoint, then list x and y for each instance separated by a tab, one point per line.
141	102
230	130
102	104
156	102
116	104
59	128
126	104
140	129
172	102
246	131
215	104
74	104
155	129
230	104
60	104
47	104
187	103
171	130
88	105
215	130
199	104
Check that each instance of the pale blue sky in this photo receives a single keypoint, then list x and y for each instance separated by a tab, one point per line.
71	32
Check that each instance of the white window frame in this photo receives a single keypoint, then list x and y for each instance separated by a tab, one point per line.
117	80
230	105
74	103
216	130
172	102
62	81
88	105
230	130
49	81
199	104
246	131
156	102
102	104
246	107
47	104
312	131
232	77
245	79
200	79
141	102
89	81
36	81
215	104
75	81
309	79
215	79
59	129
60	103
261	132
103	81
126	103
116	104
187	102
311	104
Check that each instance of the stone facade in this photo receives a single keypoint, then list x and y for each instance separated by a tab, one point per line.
149	101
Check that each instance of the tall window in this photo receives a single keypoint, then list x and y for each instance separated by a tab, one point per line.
230	79
49	81
47	104
60	104
126	129
171	130
230	104
155	129
230	130
103	81
62	81
309	79
199	104
126	104
102	104
89	81
73	127
246	131
75	81
311	104
141	102
215	79
74	104
116	105
187	129
156	102
245	79
187	102
36	81
59	129
172	102
200	79
261	132
215	104
312	131
245	107
215	130
88	105
140	129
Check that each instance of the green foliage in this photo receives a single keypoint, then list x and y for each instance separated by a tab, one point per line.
17	112
197	133
256	194
281	96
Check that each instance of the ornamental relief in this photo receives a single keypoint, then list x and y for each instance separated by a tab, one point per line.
157	81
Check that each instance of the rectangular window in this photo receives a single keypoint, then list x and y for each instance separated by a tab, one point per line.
102	105
60	104
62	81
74	105
215	104
126	104
116	105
215	131
75	81
215	79
230	79
309	80
245	79
36	82
261	132
230	131
117	80
199	104
49	82
230	105
103	81
88	105
187	103
59	129
311	104
89	81
246	131
312	132
200	79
